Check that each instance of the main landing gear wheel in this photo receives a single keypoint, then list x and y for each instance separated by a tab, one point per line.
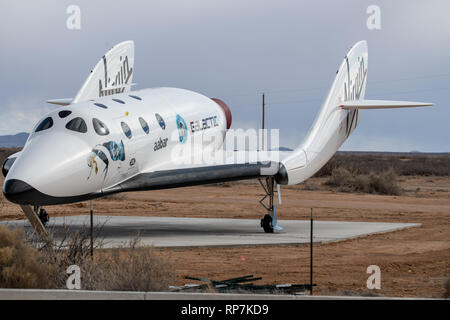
266	224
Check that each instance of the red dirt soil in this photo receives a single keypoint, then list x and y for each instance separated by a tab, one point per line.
414	262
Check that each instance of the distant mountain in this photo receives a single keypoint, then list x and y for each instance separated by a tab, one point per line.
13	141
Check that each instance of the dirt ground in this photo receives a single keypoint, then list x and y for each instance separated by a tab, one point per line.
413	262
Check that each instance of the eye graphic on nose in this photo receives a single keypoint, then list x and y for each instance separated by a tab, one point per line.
115	150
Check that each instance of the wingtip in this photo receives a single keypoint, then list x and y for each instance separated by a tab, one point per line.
60	102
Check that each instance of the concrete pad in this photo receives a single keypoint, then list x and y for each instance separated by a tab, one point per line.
116	231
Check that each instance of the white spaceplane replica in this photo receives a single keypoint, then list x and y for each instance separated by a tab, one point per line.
109	139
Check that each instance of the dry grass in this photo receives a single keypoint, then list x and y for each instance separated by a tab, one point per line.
137	268
380	183
20	264
446	294
408	164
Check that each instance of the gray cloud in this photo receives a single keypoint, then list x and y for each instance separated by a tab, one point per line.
235	50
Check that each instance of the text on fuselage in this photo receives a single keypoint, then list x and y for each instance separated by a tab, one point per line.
203	124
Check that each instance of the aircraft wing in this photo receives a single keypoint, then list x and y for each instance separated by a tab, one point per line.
61	102
196	175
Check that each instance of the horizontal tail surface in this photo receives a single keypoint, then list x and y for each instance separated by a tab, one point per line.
381	104
337	118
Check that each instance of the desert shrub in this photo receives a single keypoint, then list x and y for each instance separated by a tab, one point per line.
340	177
406	164
380	183
20	264
384	183
446	294
72	249
130	268
135	269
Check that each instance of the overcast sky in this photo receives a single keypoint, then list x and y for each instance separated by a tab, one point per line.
235	50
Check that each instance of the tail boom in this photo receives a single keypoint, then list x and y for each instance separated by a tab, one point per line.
337	118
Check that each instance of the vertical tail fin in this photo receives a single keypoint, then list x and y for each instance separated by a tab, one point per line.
333	124
337	119
112	74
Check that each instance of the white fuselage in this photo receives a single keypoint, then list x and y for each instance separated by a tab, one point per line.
60	162
139	140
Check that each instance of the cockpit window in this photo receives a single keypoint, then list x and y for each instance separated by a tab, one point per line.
64	113
45	124
77	124
144	125
126	129
100	127
119	101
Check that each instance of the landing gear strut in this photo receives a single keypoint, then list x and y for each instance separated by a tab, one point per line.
38	217
269	221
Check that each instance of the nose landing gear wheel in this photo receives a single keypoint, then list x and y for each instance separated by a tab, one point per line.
266	224
32	214
43	216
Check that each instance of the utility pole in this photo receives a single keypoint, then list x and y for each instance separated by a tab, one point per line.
311	253
263	109
91	212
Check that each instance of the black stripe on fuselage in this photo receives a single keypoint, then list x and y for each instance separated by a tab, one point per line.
194	176
21	193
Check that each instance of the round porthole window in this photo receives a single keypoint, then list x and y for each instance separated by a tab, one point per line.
126	130
100	127
144	125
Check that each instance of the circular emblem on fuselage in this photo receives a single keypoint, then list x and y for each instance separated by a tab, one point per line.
182	129
116	151
160	120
